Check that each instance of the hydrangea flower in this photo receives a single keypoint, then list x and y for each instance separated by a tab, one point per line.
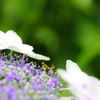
10	40
82	86
20	80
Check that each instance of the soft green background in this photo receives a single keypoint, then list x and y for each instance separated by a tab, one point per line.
60	29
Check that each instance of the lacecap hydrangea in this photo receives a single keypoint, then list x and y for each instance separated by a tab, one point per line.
20	80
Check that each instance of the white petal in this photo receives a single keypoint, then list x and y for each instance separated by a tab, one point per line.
63	74
1	34
79	94
77	81
73	78
37	56
2	47
3	44
83	86
90	92
12	38
71	66
22	48
94	88
74	85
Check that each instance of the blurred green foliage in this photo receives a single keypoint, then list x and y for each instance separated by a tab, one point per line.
60	29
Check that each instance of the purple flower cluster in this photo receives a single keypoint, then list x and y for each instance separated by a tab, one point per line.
20	80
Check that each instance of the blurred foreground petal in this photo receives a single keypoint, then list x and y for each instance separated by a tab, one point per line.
84	87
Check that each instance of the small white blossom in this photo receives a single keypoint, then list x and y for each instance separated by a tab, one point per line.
84	87
10	40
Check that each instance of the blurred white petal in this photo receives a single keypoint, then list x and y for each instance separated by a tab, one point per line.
37	56
3	44
12	38
71	66
1	34
84	87
2	47
22	48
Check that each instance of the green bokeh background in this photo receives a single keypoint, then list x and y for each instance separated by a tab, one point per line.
60	29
